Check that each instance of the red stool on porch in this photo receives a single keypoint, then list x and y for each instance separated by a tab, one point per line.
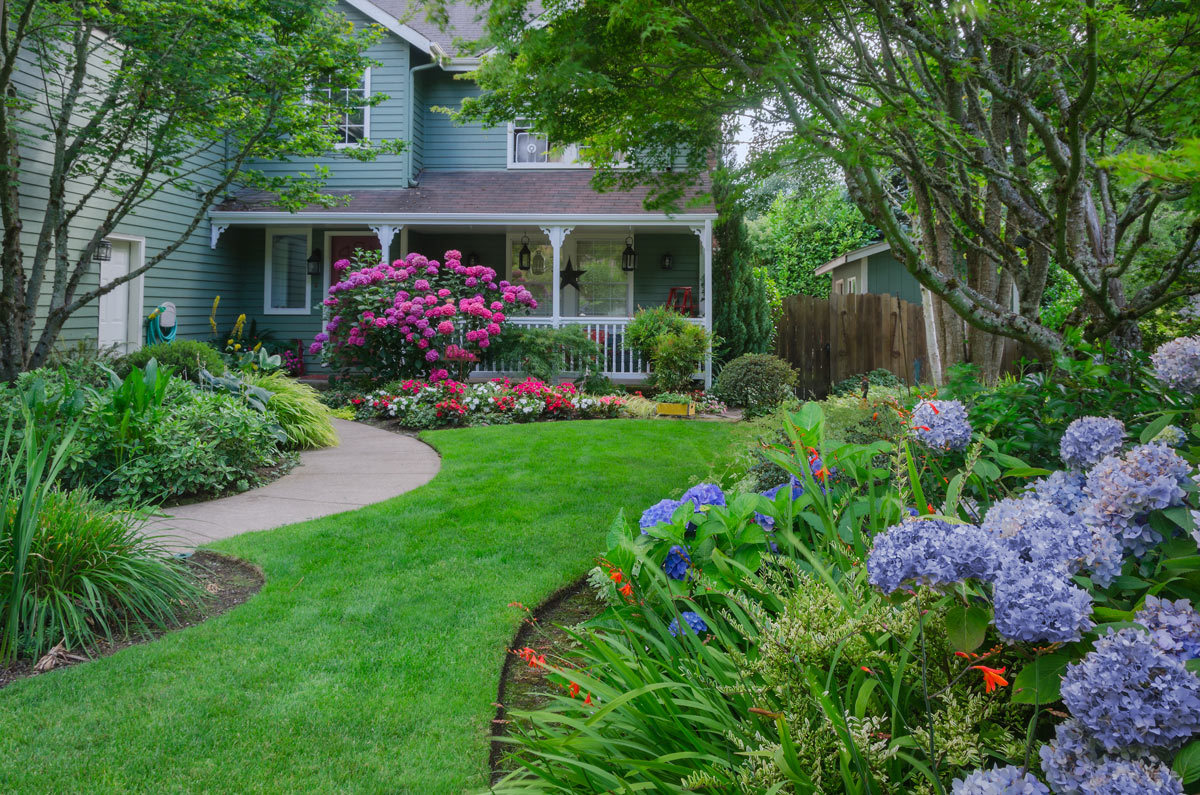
680	299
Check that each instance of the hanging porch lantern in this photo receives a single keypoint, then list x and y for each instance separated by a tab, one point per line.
539	263
472	259
629	257
316	263
524	256
103	252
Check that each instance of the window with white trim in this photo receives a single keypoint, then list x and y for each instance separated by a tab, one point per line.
530	149
604	290
287	288
839	286
539	279
851	285
354	124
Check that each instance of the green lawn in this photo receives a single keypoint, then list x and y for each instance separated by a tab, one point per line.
370	660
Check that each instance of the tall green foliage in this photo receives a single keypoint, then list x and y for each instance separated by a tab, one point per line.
799	233
742	310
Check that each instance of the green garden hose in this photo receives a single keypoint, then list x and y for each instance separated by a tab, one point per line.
161	325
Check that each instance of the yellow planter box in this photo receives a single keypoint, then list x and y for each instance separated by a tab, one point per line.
676	409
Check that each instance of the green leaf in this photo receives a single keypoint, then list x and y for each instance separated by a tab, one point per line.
1187	762
1193	665
987	470
966	627
1040	680
1026	472
1154	428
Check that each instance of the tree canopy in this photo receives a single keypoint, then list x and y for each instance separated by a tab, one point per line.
128	98
986	140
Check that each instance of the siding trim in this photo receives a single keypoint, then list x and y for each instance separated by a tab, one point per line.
244	217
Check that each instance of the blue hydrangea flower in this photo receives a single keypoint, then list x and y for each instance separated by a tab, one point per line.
767	522
1177	364
1123	489
1034	529
702	495
1075	765
691	621
1130	695
1171	436
658	513
1089	439
677	563
1009	780
941	424
1037	602
932	552
1173	626
1064	490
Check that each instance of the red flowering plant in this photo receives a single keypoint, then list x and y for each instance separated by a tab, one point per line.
401	320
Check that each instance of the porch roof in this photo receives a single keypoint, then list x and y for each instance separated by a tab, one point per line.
560	192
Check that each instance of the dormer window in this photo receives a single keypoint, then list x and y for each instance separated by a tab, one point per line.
529	149
354	124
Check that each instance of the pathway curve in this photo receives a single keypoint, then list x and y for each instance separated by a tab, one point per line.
369	465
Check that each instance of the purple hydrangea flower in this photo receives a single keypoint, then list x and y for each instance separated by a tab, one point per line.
1089	439
1123	489
1173	626
1177	364
691	621
1037	602
677	563
1171	436
703	494
932	552
658	513
941	424
1009	780
1035	530
1128	694
1064	490
1075	765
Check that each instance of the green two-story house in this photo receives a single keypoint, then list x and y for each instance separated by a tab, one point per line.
502	196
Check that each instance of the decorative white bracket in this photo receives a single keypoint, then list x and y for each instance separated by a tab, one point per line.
557	235
214	234
698	231
385	235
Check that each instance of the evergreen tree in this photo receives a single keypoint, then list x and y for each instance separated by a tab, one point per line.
741	311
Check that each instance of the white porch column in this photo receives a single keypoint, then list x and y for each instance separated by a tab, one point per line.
705	235
556	234
386	235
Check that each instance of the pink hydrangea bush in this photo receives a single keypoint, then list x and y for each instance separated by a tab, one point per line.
418	403
416	317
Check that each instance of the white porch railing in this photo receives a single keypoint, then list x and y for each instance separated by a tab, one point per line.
617	361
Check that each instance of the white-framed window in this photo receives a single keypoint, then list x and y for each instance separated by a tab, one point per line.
530	149
604	290
287	290
354	125
839	286
539	279
851	285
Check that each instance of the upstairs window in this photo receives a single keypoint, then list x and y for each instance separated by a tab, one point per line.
529	149
354	125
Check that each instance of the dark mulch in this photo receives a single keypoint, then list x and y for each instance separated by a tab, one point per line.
226	581
526	688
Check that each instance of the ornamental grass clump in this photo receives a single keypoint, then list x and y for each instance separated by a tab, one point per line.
298	409
398	320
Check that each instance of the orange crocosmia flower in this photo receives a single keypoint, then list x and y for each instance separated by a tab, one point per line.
935	410
627	589
574	689
922	427
616	575
588	701
992	677
875	416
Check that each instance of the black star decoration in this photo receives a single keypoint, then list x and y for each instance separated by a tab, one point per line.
570	276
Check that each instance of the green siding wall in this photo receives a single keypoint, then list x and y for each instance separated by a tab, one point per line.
489	247
388	121
452	147
885	275
651	283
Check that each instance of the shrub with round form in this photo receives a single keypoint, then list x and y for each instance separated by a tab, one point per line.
932	552
1130	695
1089	439
941	425
1177	364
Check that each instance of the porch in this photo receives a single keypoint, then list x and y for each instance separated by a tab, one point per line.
571	264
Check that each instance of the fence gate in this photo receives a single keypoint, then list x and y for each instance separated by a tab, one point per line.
828	339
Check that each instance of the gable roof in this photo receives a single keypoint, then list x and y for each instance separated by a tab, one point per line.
851	256
409	20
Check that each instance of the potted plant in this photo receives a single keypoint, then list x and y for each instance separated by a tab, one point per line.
675	404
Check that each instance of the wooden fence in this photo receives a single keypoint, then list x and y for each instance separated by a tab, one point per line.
828	339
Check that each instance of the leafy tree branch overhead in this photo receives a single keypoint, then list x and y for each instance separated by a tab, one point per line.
132	98
988	141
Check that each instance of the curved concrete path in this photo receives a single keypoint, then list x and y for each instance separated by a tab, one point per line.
369	465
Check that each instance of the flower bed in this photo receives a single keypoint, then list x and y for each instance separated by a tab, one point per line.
424	404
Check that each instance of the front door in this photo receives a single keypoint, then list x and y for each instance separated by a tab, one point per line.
114	305
344	246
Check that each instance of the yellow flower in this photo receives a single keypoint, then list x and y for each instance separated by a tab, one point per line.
237	347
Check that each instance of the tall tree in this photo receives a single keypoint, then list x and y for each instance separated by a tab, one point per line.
130	98
984	139
741	309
